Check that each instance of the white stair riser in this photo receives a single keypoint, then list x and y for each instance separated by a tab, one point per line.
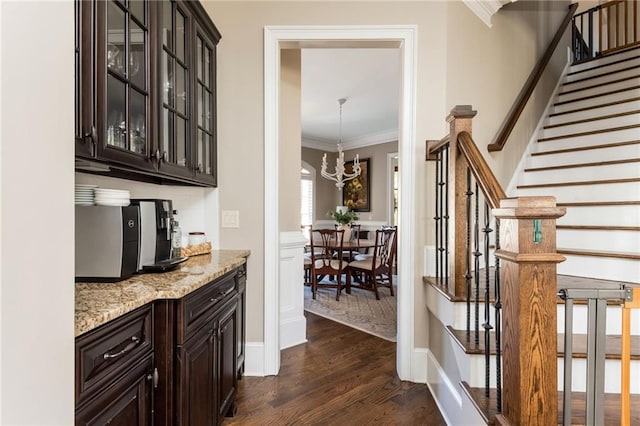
582	193
614	136
612	62
624	270
602	216
586	156
600	79
575	174
606	88
612	375
613	324
603	99
589	126
594	112
598	240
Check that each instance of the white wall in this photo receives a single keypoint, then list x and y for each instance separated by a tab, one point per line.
37	222
197	207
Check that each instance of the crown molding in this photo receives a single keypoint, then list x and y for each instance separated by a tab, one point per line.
485	9
389	135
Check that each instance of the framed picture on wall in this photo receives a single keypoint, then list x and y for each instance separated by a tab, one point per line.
356	193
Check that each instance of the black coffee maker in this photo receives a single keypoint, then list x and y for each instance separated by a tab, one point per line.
156	219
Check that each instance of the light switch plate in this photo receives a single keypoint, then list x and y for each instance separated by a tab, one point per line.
230	219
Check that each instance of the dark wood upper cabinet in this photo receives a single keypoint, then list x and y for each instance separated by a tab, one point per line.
138	72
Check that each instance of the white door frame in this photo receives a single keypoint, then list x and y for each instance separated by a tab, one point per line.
340	36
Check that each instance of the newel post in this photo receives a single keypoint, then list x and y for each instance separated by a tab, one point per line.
529	286
460	120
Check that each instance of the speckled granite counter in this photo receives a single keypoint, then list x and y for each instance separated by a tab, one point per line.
99	303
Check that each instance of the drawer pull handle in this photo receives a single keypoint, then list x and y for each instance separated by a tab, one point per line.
135	341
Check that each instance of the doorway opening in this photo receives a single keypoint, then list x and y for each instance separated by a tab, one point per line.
404	38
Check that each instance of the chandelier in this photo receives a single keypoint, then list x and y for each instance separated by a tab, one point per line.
340	177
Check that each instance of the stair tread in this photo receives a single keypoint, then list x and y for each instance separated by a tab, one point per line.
614	254
486	406
579	183
598	95
621	51
568	83
563	281
586	148
604	105
613	344
588	120
576	165
590	132
618	80
599	203
599	227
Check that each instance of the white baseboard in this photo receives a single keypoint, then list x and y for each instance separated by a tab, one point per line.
254	359
419	369
293	332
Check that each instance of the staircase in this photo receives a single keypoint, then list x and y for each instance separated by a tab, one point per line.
587	155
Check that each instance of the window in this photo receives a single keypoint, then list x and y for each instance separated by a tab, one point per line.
306	197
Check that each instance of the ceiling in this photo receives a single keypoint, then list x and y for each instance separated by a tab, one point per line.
368	78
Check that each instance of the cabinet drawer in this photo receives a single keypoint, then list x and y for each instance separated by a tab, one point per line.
105	353
196	308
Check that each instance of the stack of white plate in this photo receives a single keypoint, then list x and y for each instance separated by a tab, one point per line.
112	197
85	195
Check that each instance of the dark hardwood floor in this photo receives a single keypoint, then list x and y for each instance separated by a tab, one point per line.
340	376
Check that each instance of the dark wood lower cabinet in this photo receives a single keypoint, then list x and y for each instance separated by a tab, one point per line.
206	367
126	402
171	362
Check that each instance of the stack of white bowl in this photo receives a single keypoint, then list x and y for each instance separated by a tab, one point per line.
112	197
85	195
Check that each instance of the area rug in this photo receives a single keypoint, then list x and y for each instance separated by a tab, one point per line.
359	310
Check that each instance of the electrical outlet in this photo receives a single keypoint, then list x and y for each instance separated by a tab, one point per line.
230	219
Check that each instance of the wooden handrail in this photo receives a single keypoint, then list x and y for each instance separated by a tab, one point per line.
484	176
530	85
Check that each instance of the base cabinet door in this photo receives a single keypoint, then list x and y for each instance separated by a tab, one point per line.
227	350
127	402
196	379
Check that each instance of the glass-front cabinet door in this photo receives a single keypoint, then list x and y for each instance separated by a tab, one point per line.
205	147
85	136
122	63
175	93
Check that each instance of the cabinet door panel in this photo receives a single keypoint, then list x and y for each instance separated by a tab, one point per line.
195	390
122	83
175	72
227	352
205	160
127	402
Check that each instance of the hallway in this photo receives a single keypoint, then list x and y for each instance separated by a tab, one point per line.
340	376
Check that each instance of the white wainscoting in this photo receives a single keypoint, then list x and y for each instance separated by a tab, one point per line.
254	359
293	324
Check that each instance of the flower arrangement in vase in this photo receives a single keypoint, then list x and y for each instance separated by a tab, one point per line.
344	218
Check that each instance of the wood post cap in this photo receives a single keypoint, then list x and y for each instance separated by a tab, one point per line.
461	111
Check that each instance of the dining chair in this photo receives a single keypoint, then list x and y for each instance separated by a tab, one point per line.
324	243
376	270
354	238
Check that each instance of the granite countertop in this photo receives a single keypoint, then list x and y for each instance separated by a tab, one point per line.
99	303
